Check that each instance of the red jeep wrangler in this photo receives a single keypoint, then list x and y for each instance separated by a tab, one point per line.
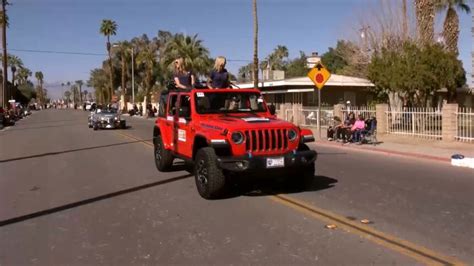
228	130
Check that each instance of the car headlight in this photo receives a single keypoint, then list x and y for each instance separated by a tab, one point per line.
292	134
237	137
102	118
117	118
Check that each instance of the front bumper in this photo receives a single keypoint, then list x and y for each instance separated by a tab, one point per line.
251	164
111	124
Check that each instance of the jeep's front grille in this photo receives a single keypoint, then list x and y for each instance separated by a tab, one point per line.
266	140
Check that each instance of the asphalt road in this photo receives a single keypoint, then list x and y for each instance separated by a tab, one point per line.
71	195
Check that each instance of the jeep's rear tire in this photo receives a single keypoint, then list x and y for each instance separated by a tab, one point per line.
210	180
163	157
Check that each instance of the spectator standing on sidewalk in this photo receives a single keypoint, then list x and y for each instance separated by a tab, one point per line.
183	78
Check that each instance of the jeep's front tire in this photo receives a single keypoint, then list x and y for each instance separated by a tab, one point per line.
163	157
210	180
305	175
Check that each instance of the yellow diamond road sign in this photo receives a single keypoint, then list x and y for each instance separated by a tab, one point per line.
319	75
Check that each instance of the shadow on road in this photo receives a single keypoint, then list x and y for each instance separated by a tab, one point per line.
57	121
69	151
33	215
21	128
273	186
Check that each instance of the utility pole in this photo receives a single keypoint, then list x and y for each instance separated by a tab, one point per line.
133	77
5	92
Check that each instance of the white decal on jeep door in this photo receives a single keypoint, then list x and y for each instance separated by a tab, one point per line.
182	135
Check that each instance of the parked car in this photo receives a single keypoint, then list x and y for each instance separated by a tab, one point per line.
229	132
107	118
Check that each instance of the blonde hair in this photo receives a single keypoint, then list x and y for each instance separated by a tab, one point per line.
179	65
219	63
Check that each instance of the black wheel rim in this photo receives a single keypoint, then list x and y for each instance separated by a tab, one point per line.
202	173
158	152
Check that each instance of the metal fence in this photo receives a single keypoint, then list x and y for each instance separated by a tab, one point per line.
465	125
417	122
309	116
365	111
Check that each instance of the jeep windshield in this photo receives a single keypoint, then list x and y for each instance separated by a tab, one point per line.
229	102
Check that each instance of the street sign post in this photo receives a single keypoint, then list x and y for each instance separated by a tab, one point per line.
319	75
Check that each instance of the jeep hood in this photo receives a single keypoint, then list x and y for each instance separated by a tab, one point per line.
244	122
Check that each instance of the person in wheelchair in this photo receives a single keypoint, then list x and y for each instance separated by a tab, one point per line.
369	133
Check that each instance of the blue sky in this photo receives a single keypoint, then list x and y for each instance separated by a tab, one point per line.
225	26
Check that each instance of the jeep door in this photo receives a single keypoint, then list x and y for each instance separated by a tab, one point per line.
168	124
185	131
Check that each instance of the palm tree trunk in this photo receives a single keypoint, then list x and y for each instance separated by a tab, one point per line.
5	91
425	14
255	45
80	93
405	20
124	69
451	31
111	70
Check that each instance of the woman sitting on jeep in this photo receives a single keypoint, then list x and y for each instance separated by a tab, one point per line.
183	78
219	77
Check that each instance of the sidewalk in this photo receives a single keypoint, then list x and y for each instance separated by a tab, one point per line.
410	147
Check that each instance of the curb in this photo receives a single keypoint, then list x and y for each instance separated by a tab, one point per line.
385	151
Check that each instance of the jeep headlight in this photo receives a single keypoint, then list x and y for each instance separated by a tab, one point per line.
117	118
102	118
292	134
237	137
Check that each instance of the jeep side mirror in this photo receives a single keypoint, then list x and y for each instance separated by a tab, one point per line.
272	109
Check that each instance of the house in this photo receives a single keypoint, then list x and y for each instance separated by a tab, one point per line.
301	90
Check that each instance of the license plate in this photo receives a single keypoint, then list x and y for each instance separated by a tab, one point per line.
275	162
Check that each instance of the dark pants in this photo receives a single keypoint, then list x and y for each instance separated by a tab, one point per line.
356	135
343	133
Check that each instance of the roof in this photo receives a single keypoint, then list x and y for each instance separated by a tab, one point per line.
334	80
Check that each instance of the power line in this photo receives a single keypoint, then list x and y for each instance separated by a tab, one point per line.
55	52
89	54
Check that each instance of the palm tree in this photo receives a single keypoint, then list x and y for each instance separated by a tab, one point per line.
124	51
147	58
451	22
39	76
14	62
191	49
255	45
79	84
108	28
67	95
23	75
98	81
425	13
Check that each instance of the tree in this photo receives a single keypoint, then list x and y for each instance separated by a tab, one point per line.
334	59
23	75
147	58
108	28
98	81
67	95
415	73
125	53
191	49
425	13
255	44
14	62
79	84
451	21
40	77
297	67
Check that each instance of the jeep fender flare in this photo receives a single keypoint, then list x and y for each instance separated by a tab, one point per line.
199	142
